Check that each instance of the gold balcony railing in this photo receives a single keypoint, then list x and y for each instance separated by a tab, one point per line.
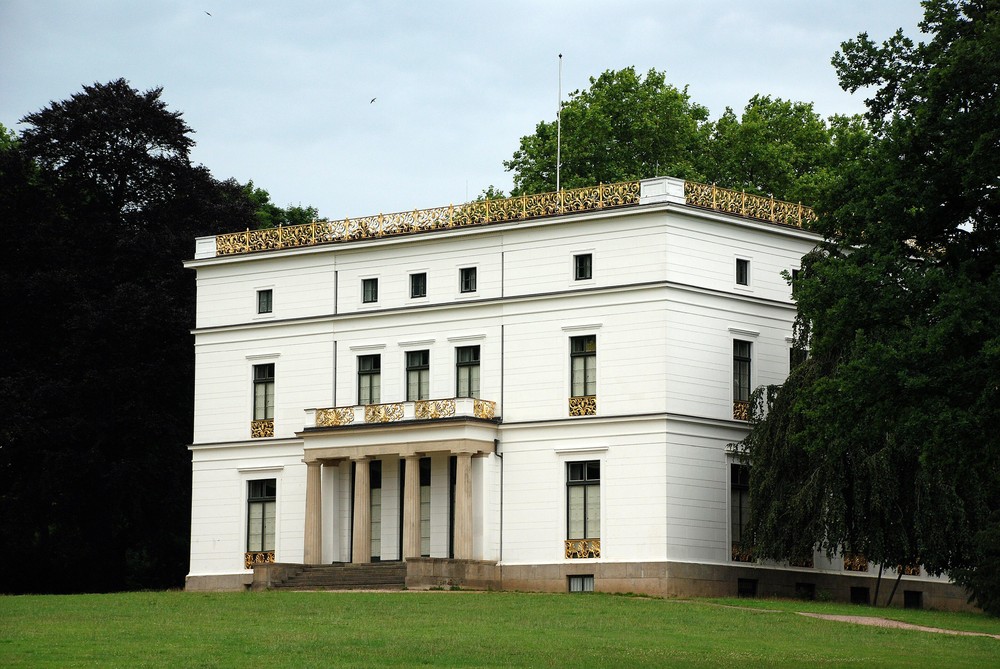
855	562
504	210
583	548
404	411
583	405
257	557
261	428
741	410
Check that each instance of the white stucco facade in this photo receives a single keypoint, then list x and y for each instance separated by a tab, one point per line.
662	303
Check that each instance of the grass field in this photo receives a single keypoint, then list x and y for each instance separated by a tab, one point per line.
467	629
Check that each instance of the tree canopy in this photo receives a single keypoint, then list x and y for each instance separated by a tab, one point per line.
627	126
883	442
100	207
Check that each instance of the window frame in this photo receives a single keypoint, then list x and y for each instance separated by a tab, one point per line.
583	266
742	272
262	500
739	489
741	392
588	356
420	277
369	290
468	279
262	388
265	295
418	369
368	376
590	486
466	367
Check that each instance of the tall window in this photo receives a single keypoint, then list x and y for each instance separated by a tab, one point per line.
418	285
375	498
467	279
741	371
742	272
418	375
583	500
260	515
583	266
467	371
263	391
425	507
369	290
583	358
265	299
739	508
369	379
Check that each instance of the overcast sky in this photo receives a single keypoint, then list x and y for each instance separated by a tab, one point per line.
280	92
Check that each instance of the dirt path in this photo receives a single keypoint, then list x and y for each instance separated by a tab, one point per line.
883	622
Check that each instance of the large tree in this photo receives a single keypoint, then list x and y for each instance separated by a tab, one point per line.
884	441
100	205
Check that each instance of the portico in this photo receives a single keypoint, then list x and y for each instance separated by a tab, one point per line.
451	433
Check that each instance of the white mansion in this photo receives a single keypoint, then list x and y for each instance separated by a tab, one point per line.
535	393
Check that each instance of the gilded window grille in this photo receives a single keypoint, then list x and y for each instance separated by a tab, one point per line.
257	557
741	410
262	428
584	405
908	570
577	549
855	562
428	409
334	417
383	413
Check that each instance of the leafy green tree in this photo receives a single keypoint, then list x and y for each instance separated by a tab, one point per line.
94	473
887	435
625	126
270	215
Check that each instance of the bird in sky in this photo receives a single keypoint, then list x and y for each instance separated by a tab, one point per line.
209	13
373	100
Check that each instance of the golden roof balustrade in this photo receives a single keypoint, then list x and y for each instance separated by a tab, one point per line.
504	210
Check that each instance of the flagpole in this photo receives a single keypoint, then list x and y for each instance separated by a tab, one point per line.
559	128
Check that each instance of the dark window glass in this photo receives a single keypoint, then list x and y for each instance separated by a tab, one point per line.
369	290
418	375
369	379
264	301
468	279
467	371
742	272
583	266
418	285
263	391
583	359
583	500
741	370
261	495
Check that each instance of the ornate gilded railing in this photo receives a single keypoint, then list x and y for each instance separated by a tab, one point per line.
257	557
404	411
426	409
334	416
484	409
741	410
383	413
855	562
583	548
741	553
261	428
747	205
584	405
482	212
908	570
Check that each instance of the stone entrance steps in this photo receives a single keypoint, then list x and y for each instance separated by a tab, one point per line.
373	576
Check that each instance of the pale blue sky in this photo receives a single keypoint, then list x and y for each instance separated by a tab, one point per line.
278	92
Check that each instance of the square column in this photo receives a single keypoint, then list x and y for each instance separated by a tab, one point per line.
313	535
463	507
411	507
361	539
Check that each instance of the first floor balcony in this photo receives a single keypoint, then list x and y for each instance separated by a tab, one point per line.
394	412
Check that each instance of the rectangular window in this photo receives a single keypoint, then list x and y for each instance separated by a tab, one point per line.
583	583
369	379
468	279
742	272
369	290
583	500
261	495
583	358
583	266
739	509
265	300
467	371
418	285
741	371
375	499
425	507
418	375
263	391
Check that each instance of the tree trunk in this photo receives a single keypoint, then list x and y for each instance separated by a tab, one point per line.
895	585
878	584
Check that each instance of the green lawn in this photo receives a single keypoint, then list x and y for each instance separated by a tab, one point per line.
464	629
